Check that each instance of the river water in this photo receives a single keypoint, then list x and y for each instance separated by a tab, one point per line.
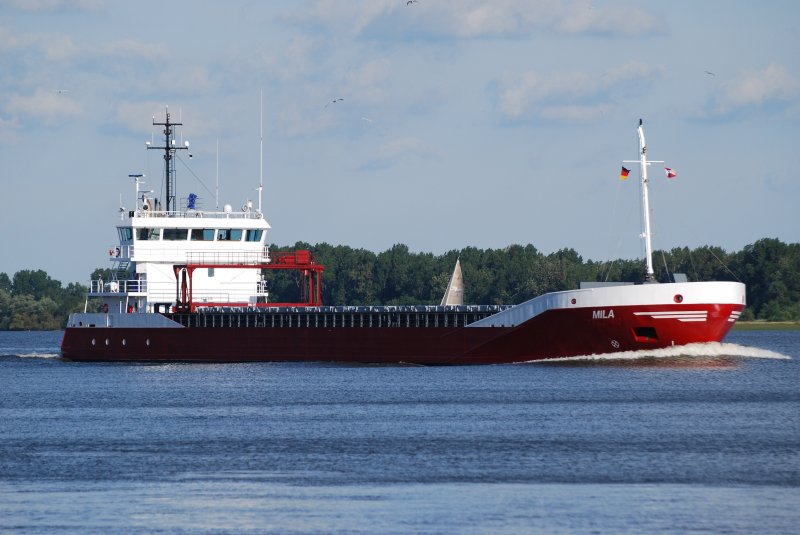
697	440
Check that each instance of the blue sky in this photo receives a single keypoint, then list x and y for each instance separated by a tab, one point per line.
462	122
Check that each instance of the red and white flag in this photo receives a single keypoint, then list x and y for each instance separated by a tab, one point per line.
671	173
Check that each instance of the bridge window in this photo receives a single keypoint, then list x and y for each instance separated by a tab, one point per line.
125	233
148	233
175	234
253	235
202	234
229	234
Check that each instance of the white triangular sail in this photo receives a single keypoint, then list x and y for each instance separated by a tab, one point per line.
454	295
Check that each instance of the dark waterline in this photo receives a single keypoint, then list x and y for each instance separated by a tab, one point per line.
667	443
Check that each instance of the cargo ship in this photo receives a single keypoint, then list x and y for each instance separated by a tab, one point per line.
190	285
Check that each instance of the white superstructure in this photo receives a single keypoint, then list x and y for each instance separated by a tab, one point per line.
152	242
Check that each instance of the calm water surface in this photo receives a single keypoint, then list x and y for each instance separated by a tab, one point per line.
680	441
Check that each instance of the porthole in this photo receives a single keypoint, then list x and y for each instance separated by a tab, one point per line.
147	342
108	342
574	301
678	298
124	342
94	342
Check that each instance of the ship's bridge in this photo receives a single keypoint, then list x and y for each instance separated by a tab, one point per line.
153	241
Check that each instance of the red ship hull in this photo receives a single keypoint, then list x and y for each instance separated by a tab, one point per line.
554	333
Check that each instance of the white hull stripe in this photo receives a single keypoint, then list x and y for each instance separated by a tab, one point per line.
734	316
684	315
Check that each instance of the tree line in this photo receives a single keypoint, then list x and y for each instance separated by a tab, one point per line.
770	268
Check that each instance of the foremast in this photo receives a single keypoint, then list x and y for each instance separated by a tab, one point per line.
169	149
646	233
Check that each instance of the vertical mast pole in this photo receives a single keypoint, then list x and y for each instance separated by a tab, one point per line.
648	245
169	149
261	149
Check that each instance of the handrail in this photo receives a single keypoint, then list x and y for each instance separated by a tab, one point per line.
179	254
199	214
228	257
99	286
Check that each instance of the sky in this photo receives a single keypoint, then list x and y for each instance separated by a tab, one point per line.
438	124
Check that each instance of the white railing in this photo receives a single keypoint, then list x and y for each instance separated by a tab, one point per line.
228	257
168	291
132	286
199	214
182	255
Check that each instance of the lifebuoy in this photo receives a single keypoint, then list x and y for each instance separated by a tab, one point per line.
105	308
111	252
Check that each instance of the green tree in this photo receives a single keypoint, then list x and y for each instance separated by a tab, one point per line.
37	284
5	282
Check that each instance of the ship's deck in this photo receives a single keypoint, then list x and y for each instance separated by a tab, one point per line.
339	316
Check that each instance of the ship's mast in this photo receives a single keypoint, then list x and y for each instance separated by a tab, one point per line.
169	149
648	243
261	149
646	234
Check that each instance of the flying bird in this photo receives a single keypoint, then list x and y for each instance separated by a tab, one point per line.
334	101
412	2
709	73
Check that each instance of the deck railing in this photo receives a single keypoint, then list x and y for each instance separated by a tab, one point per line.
253	214
122	253
132	286
228	257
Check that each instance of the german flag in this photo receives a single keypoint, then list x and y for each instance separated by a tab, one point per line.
623	175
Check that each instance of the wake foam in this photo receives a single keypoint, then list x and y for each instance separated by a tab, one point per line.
690	352
35	355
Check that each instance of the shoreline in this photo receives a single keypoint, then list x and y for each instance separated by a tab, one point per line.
763	325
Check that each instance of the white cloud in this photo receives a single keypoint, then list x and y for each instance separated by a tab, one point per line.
52	47
388	19
300	118
8	129
134	116
298	59
585	17
397	150
46	105
52	5
772	86
575	113
349	17
132	49
368	83
571	96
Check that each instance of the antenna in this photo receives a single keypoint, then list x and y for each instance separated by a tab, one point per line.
216	190
138	180
169	149
261	149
